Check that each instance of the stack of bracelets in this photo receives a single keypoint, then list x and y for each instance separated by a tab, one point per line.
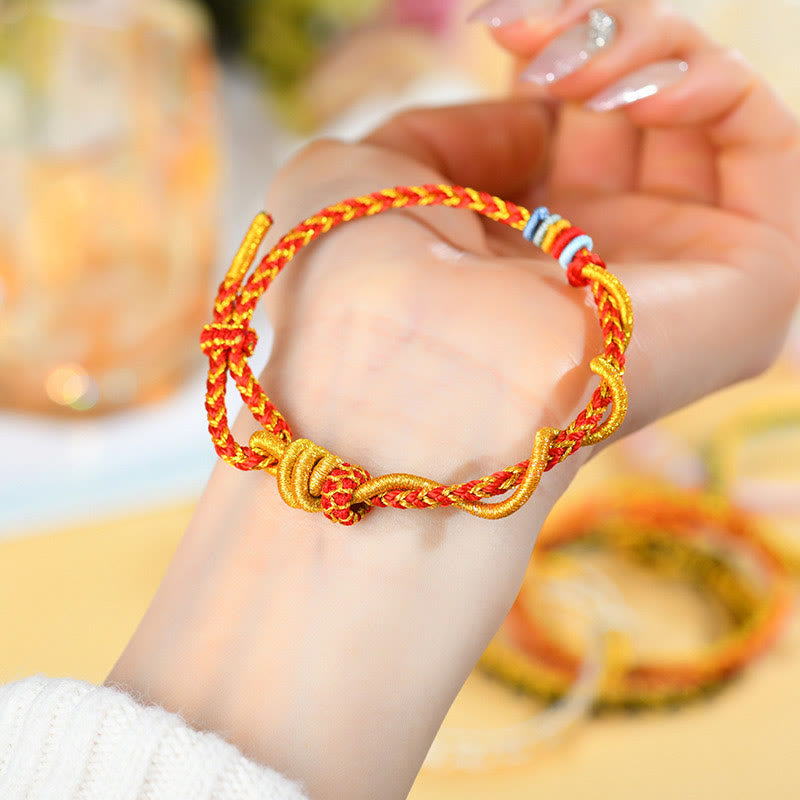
311	478
678	534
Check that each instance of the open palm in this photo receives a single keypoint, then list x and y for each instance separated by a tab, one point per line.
459	332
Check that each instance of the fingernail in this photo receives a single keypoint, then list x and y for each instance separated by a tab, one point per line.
643	83
497	13
572	49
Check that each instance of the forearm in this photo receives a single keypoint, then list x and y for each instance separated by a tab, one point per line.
329	653
333	653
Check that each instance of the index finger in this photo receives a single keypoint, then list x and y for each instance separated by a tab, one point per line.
755	135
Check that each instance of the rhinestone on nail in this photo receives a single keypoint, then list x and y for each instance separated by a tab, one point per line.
602	27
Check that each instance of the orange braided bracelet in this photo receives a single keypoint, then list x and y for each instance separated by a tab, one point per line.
311	478
680	534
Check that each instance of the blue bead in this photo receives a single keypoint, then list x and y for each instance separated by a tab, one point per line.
536	217
572	247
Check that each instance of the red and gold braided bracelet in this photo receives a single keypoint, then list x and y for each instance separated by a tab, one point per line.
311	478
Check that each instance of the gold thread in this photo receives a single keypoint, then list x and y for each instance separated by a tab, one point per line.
617	292
612	379
552	232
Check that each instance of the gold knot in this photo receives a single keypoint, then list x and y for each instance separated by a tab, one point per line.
311	478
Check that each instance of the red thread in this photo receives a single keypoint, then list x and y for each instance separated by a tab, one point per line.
577	264
563	239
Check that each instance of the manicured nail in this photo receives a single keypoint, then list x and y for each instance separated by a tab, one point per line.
497	13
572	49
643	83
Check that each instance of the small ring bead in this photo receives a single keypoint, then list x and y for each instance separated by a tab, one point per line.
537	215
541	231
575	269
572	248
553	232
565	236
557	236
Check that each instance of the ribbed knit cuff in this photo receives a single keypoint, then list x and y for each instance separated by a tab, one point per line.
62	739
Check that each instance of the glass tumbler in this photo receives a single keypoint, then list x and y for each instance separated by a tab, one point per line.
108	200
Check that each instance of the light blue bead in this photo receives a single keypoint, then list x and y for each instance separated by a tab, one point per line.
538	237
536	217
570	251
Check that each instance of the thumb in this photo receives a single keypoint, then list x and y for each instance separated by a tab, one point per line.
499	147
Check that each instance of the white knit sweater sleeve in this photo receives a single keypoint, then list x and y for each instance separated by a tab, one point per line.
63	739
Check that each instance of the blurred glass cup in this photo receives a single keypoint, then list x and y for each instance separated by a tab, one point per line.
108	199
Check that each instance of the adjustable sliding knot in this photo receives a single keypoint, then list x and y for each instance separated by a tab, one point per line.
229	337
311	478
575	274
337	494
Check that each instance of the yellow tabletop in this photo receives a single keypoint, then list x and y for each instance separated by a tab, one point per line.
73	596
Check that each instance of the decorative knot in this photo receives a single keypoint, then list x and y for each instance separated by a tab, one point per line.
575	269
337	494
228	337
311	478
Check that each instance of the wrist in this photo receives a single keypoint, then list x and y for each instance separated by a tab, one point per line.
278	629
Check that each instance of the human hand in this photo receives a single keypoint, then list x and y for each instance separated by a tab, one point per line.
692	186
430	341
686	196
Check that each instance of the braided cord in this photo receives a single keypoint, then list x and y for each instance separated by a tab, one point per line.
311	478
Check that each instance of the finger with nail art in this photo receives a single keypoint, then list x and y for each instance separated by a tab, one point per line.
617	56
572	49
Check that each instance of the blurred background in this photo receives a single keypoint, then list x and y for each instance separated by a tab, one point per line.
136	141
